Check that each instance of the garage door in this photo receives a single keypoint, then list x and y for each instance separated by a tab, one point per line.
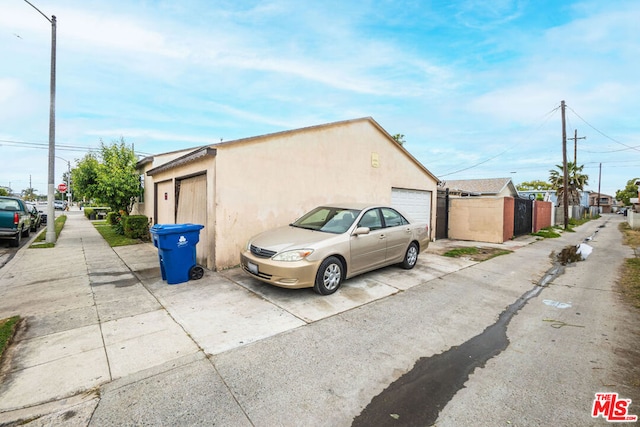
415	203
192	208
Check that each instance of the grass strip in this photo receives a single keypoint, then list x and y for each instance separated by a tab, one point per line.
39	242
453	253
547	233
630	272
112	237
630	281
7	329
502	252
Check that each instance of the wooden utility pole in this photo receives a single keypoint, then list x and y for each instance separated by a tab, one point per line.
565	177
575	146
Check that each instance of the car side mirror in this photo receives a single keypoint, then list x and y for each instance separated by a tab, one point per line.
361	230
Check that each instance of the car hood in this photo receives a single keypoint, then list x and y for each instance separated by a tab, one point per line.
288	237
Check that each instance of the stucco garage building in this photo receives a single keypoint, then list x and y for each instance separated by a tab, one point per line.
242	187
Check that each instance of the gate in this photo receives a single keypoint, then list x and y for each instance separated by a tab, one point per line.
442	215
522	216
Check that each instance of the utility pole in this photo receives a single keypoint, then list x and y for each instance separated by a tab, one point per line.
575	146
565	177
599	180
51	228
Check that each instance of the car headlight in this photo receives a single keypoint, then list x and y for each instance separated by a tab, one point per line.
294	255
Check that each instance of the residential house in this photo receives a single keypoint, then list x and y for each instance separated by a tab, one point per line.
240	188
603	202
487	187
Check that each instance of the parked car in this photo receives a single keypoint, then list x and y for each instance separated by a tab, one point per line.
36	215
15	219
333	243
59	204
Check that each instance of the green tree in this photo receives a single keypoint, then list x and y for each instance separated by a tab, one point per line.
118	180
630	191
576	180
399	138
3	192
85	178
534	185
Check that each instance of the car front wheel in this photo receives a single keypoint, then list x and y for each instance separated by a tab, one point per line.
410	257
329	276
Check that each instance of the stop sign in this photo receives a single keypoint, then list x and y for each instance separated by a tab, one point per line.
62	188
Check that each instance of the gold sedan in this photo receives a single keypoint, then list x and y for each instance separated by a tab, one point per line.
333	243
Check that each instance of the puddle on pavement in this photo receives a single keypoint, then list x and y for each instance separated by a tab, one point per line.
418	396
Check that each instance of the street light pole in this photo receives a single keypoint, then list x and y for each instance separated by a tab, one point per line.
51	232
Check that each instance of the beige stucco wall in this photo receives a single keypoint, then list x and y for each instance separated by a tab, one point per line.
477	219
273	181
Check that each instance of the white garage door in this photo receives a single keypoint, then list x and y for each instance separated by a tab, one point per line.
415	203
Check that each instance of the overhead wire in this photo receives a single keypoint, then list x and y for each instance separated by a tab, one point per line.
61	147
629	147
546	118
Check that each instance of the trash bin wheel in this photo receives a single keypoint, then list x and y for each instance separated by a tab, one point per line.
196	272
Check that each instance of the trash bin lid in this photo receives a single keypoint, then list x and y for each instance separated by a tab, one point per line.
161	229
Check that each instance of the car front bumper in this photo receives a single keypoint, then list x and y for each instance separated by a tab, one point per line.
294	275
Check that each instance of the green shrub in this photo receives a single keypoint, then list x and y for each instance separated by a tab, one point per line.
135	226
112	218
118	225
88	212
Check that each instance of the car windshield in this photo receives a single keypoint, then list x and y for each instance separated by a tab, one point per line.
328	219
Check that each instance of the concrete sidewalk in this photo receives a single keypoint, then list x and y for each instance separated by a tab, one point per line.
102	329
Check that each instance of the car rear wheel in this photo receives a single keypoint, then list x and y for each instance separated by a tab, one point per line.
26	231
15	242
329	276
410	257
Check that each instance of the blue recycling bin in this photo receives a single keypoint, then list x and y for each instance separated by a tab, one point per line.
176	245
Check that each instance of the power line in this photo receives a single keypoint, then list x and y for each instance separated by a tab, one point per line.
611	151
63	147
546	118
602	133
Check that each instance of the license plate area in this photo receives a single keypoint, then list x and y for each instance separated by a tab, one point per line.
253	268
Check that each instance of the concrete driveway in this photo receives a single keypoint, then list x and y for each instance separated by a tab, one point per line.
227	309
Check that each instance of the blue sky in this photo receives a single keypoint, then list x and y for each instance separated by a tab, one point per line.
473	85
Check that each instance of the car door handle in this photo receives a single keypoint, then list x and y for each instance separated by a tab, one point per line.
382	236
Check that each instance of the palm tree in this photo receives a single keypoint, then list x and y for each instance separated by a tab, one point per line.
29	194
576	180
